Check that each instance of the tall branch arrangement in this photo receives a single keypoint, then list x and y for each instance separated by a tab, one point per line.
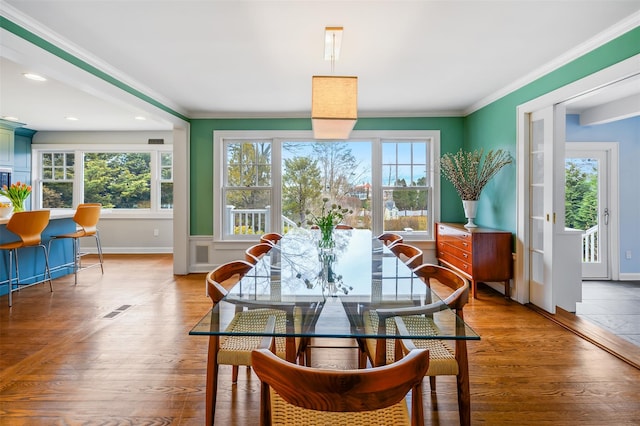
469	173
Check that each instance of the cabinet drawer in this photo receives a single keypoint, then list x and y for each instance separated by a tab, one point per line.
463	253
460	243
455	261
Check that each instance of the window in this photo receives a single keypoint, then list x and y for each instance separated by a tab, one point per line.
405	185
122	179
273	181
166	180
247	189
57	179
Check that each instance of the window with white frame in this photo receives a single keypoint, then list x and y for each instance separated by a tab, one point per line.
57	171
122	179
272	181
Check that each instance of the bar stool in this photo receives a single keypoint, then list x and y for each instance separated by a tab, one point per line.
28	226
86	218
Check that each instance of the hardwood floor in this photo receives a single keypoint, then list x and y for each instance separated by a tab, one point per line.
115	350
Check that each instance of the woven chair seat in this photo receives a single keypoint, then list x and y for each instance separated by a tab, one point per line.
284	413
236	350
442	361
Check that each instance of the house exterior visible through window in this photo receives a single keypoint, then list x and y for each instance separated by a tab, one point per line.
275	181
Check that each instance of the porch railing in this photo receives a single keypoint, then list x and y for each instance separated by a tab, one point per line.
252	221
590	245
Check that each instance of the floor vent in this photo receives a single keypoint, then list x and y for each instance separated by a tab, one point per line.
118	311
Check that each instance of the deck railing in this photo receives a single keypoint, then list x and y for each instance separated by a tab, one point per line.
590	252
253	221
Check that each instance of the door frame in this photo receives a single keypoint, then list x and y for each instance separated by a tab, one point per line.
591	83
610	151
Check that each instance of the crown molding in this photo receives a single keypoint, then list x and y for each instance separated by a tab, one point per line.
30	25
602	38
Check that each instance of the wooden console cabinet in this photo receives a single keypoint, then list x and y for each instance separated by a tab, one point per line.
480	254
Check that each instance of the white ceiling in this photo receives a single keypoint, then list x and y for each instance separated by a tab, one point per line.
224	58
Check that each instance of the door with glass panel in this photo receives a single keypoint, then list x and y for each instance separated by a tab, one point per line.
540	206
587	206
553	251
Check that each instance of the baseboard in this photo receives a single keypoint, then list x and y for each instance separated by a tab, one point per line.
633	276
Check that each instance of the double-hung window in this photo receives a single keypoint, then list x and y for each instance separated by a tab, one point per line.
272	181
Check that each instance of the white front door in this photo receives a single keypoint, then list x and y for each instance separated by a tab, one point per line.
588	204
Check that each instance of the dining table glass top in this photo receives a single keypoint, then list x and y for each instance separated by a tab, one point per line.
330	290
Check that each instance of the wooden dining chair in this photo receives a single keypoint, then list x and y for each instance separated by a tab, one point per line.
250	317
254	253
389	238
446	359
294	394
270	238
343	226
410	255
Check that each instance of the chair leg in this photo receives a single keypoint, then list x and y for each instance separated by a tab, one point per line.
462	381
432	383
11	252
212	380
47	270
76	259
234	374
99	245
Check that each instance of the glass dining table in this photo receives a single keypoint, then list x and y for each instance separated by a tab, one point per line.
358	274
332	289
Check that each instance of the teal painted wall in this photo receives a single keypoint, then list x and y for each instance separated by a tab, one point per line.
201	156
494	126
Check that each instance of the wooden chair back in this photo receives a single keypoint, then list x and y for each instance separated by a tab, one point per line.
345	391
255	252
270	238
410	255
389	238
29	225
343	226
224	277
458	284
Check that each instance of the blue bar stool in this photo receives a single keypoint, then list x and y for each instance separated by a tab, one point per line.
86	218
28	226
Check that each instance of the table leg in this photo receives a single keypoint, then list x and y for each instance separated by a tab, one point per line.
212	379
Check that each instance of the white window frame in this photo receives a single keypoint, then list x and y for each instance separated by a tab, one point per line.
78	182
277	137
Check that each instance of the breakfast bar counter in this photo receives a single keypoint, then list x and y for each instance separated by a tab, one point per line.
31	259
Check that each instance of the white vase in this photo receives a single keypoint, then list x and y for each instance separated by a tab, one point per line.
470	207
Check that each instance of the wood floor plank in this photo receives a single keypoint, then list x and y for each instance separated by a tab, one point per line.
64	363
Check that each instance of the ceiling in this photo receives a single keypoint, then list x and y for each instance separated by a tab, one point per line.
223	58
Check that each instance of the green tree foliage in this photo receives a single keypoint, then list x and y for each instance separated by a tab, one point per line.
410	199
301	184
581	195
118	180
249	166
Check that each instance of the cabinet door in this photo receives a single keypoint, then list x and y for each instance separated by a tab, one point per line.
6	147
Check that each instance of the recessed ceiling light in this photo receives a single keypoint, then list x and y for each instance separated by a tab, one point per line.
71	118
34	77
10	118
141	118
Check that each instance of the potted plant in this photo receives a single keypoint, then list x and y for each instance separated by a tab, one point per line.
17	193
469	174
